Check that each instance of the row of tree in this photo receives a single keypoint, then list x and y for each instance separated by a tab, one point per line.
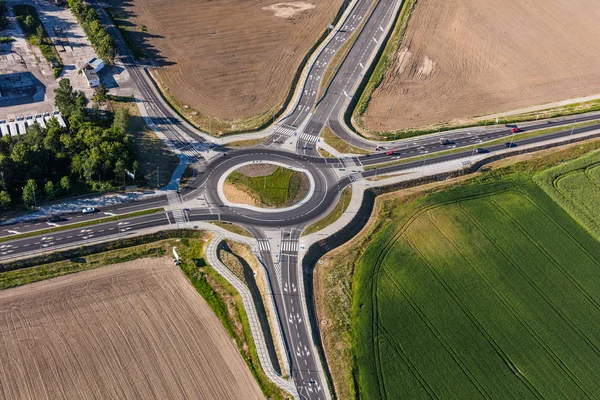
94	154
103	43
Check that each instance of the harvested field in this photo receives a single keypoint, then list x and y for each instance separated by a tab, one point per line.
131	330
465	58
228	59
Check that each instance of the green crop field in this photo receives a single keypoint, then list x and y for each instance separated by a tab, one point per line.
576	187
279	189
487	290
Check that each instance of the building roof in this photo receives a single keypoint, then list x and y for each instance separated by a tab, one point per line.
96	62
90	75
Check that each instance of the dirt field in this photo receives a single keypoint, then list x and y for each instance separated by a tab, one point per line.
132	330
466	58
229	59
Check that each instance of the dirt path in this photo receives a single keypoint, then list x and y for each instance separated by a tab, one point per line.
466	58
132	330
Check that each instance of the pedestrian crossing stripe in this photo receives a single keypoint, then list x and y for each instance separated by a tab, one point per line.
180	216
285	130
263	245
173	198
289	245
308	138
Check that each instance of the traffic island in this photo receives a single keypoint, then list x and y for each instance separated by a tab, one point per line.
266	185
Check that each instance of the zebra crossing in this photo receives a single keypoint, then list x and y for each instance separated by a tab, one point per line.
180	216
290	246
285	130
174	198
308	138
194	150
356	177
263	245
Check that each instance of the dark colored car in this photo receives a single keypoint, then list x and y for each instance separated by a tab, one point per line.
54	218
481	150
510	144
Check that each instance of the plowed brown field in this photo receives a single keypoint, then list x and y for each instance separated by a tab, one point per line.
466	58
229	59
136	330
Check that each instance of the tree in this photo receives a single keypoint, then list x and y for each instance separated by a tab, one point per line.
65	183
50	189
67	100
4	199
29	23
100	94
29	193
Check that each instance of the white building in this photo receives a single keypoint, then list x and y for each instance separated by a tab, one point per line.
91	76
96	64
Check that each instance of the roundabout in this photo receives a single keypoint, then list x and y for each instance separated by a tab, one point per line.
321	195
301	173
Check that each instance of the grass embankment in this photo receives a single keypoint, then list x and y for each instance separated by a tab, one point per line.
340	145
514	138
6	39
232	228
150	151
244	143
80	224
278	189
220	296
127	33
498	282
240	260
385	60
334	215
36	35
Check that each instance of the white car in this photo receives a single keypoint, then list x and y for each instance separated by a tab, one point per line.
88	210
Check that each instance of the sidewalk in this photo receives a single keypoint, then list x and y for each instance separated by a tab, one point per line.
257	334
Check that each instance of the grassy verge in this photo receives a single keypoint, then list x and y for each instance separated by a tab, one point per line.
6	39
335	281
79	224
126	32
278	189
244	143
324	153
340	145
520	136
385	61
24	276
227	304
36	35
334	215
232	228
150	151
563	111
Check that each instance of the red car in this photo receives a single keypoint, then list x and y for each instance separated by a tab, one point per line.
390	153
515	130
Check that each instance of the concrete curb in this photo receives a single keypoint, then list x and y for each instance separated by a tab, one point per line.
257	334
271	305
228	203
